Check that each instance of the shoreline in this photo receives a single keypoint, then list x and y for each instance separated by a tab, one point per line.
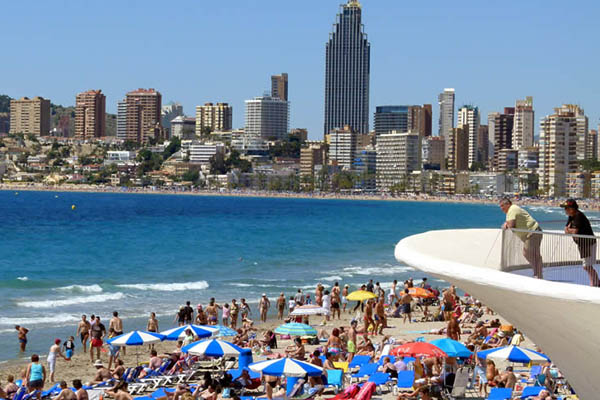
589	204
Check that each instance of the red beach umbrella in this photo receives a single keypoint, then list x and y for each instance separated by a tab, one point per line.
418	349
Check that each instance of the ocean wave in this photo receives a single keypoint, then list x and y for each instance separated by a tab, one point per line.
81	288
29	321
22	278
262	285
167	287
99	298
332	278
376	271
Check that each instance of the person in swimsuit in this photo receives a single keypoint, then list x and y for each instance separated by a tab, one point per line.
65	392
405	301
212	312
345	297
69	346
152	325
201	318
368	317
334	343
225	314
117	324
22	335
52	356
335	301
271	383
245	309
35	376
11	388
119	391
80	392
235	311
263	307
351	344
280	305
83	331
97	333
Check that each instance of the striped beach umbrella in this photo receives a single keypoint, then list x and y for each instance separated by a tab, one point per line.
200	331
310	309
514	354
213	348
296	329
286	367
136	338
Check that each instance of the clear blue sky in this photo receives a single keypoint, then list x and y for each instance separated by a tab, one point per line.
491	52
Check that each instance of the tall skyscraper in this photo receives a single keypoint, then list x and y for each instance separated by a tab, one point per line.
90	114
347	70
398	154
216	117
558	149
143	115
483	144
122	120
446	119
279	86
267	117
501	130
469	115
426	117
458	149
30	116
413	118
523	124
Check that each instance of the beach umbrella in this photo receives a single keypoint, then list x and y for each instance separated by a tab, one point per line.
212	348
360	295
418	349
514	354
421	292
296	329
286	367
452	347
310	309
136	338
222	330
200	331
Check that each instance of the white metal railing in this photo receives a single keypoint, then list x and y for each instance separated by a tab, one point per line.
551	255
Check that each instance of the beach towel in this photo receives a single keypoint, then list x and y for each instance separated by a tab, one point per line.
366	391
348	393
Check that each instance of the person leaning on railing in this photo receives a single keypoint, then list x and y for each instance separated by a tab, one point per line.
578	224
517	218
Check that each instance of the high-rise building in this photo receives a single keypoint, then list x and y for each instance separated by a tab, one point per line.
398	155
30	116
279	86
446	118
558	149
216	118
483	144
582	130
143	115
90	114
313	155
122	120
409	118
347	70
343	143
458	149
168	113
501	129
507	160
183	127
432	152
592	146
469	115
523	124
268	117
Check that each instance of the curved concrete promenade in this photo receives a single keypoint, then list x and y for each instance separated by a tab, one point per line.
562	318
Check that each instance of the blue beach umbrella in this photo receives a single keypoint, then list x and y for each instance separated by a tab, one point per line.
223	330
452	347
287	367
136	338
296	329
200	331
514	354
213	348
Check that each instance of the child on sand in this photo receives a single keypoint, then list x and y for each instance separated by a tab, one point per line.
69	346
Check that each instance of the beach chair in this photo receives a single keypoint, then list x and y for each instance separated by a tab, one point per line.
20	393
31	395
335	378
381	380
405	381
364	371
343	365
357	361
500	394
531	391
461	381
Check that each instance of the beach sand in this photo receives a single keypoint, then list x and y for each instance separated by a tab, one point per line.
80	366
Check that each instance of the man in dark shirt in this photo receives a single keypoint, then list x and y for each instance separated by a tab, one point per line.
370	286
97	333
578	224
188	313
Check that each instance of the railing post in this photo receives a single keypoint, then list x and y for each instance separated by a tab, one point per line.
502	244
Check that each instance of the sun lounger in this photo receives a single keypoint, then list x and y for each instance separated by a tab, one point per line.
365	371
341	365
357	361
405	379
20	393
500	394
531	391
380	379
335	379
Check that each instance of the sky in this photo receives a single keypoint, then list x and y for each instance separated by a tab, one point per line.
492	52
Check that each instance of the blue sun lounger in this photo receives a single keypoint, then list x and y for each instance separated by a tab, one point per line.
500	394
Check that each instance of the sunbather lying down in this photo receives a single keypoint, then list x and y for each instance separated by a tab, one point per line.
421	393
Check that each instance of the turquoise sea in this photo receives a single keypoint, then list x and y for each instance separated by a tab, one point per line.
138	253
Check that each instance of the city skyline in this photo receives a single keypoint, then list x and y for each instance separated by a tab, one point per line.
410	71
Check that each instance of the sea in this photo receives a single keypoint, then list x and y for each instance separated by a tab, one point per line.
65	254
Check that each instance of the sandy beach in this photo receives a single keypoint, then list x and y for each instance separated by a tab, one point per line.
80	367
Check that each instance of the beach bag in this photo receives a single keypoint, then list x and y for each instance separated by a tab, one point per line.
366	392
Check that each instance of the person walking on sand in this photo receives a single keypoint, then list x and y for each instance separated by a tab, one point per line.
83	331
405	301
517	218
97	333
263	307
345	297
116	324
22	335
53	354
335	301
280	306
578	224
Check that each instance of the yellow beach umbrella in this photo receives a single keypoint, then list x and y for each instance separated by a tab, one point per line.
360	295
